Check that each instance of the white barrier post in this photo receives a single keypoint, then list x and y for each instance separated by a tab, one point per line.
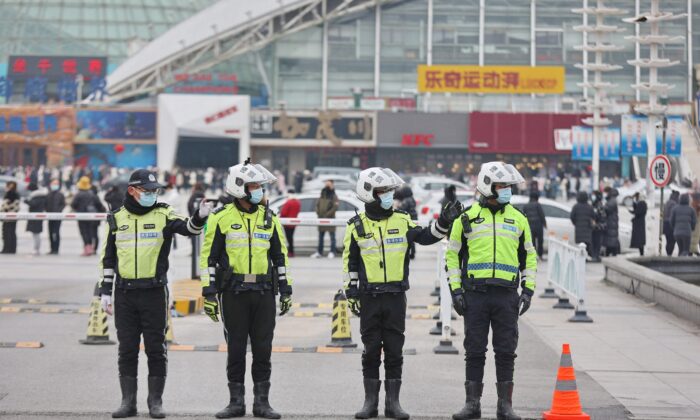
567	271
445	346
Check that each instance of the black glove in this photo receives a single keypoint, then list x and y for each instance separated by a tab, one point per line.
524	303
449	213
354	306
458	301
211	307
285	303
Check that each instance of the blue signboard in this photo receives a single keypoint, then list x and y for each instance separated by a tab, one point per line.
633	136
131	156
116	125
582	143
674	132
610	144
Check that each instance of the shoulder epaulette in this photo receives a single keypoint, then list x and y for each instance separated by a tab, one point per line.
218	209
163	205
401	212
353	219
519	211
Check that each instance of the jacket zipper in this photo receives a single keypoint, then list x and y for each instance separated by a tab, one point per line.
250	250
494	246
383	262
136	249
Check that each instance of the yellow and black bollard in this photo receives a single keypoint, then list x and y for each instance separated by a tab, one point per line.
98	330
340	333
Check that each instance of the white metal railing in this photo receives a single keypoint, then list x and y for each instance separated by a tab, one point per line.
566	268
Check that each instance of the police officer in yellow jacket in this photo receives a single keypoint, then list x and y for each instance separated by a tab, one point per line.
135	258
375	265
490	251
244	264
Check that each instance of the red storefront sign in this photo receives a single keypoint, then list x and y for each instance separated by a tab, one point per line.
417	140
517	133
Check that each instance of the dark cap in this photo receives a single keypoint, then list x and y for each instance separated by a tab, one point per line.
145	179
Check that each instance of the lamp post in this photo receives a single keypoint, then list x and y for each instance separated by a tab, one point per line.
598	46
653	109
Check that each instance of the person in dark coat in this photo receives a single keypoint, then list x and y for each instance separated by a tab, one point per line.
582	218
10	204
115	198
37	204
407	203
326	206
611	239
668	228
55	203
639	229
683	220
538	223
85	201
599	224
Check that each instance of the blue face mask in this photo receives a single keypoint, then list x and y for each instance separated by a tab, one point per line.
256	196
504	195
147	199
387	200
54	187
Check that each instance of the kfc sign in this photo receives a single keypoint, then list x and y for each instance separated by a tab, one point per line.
417	140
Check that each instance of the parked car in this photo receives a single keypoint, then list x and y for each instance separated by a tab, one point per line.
430	209
336	170
342	183
626	197
424	186
306	237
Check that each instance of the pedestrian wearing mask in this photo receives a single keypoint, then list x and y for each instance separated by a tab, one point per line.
10	204
599	224
86	201
612	239
582	216
668	227
538	222
37	204
326	206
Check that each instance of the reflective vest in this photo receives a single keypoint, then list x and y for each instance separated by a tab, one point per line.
247	245
138	241
492	243
383	248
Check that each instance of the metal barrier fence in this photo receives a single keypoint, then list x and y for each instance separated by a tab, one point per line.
567	272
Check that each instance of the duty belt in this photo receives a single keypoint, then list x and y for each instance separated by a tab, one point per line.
143	283
479	285
250	278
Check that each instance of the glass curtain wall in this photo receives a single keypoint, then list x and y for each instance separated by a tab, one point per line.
351	55
298	69
456	31
555	40
403	45
507	32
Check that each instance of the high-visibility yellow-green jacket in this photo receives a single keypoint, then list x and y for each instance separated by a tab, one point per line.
377	261
488	247
135	252
244	250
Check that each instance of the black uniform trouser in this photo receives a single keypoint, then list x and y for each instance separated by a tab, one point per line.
496	307
9	237
55	235
248	314
137	312
382	326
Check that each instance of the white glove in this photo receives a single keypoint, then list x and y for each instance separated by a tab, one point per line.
204	209
106	301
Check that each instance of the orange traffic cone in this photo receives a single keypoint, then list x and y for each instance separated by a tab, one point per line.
565	404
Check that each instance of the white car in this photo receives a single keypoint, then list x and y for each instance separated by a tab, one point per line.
626	196
424	186
306	237
340	183
559	224
430	209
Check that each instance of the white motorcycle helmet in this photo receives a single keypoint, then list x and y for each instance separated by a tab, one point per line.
496	173
246	173
376	177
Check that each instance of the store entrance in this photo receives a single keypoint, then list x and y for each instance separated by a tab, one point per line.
13	154
204	152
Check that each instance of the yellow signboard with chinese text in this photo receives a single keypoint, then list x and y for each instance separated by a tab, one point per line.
491	79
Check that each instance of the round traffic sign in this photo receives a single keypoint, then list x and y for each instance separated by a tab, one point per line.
660	171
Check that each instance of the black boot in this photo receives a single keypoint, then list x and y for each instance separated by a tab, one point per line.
128	407
504	409
156	384
369	409
392	406
261	403
472	408
236	405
